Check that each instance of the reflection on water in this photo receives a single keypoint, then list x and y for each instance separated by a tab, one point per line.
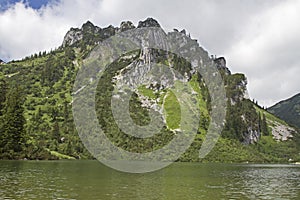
91	180
269	181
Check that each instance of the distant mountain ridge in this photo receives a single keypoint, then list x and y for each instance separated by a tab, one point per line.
288	110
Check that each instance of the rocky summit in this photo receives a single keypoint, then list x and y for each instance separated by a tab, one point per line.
149	22
96	34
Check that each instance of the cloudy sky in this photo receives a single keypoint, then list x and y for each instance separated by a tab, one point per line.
258	38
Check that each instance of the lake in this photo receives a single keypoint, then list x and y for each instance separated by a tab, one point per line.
89	180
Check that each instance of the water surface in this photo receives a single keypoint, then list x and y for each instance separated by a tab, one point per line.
91	180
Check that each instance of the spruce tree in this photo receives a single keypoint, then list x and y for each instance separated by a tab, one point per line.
259	122
264	126
3	90
12	122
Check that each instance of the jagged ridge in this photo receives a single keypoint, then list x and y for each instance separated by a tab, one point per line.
75	35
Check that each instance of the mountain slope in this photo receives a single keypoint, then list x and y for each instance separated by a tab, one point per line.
250	134
288	110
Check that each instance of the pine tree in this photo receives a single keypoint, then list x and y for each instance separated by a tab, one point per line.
12	122
264	126
56	131
3	90
259	122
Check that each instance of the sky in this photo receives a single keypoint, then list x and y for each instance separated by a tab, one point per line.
258	38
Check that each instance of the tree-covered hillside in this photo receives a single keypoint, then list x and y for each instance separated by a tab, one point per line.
37	95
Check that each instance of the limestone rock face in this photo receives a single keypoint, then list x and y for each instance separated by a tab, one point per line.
221	65
251	136
282	132
73	35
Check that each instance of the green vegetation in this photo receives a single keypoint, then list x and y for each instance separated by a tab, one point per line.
147	92
47	81
241	114
12	123
61	156
172	110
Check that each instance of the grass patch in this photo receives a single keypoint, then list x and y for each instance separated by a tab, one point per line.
61	156
172	111
147	92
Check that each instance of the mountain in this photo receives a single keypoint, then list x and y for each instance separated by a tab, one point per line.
288	110
46	94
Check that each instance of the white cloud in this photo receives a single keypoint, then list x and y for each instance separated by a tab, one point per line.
268	53
258	38
24	31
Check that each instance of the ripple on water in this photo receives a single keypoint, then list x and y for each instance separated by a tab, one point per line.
90	180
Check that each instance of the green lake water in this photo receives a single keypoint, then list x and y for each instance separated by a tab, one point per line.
89	180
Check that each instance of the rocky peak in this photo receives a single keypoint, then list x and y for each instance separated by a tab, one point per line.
88	26
108	31
72	36
220	61
149	22
75	34
88	32
221	65
126	25
1	61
